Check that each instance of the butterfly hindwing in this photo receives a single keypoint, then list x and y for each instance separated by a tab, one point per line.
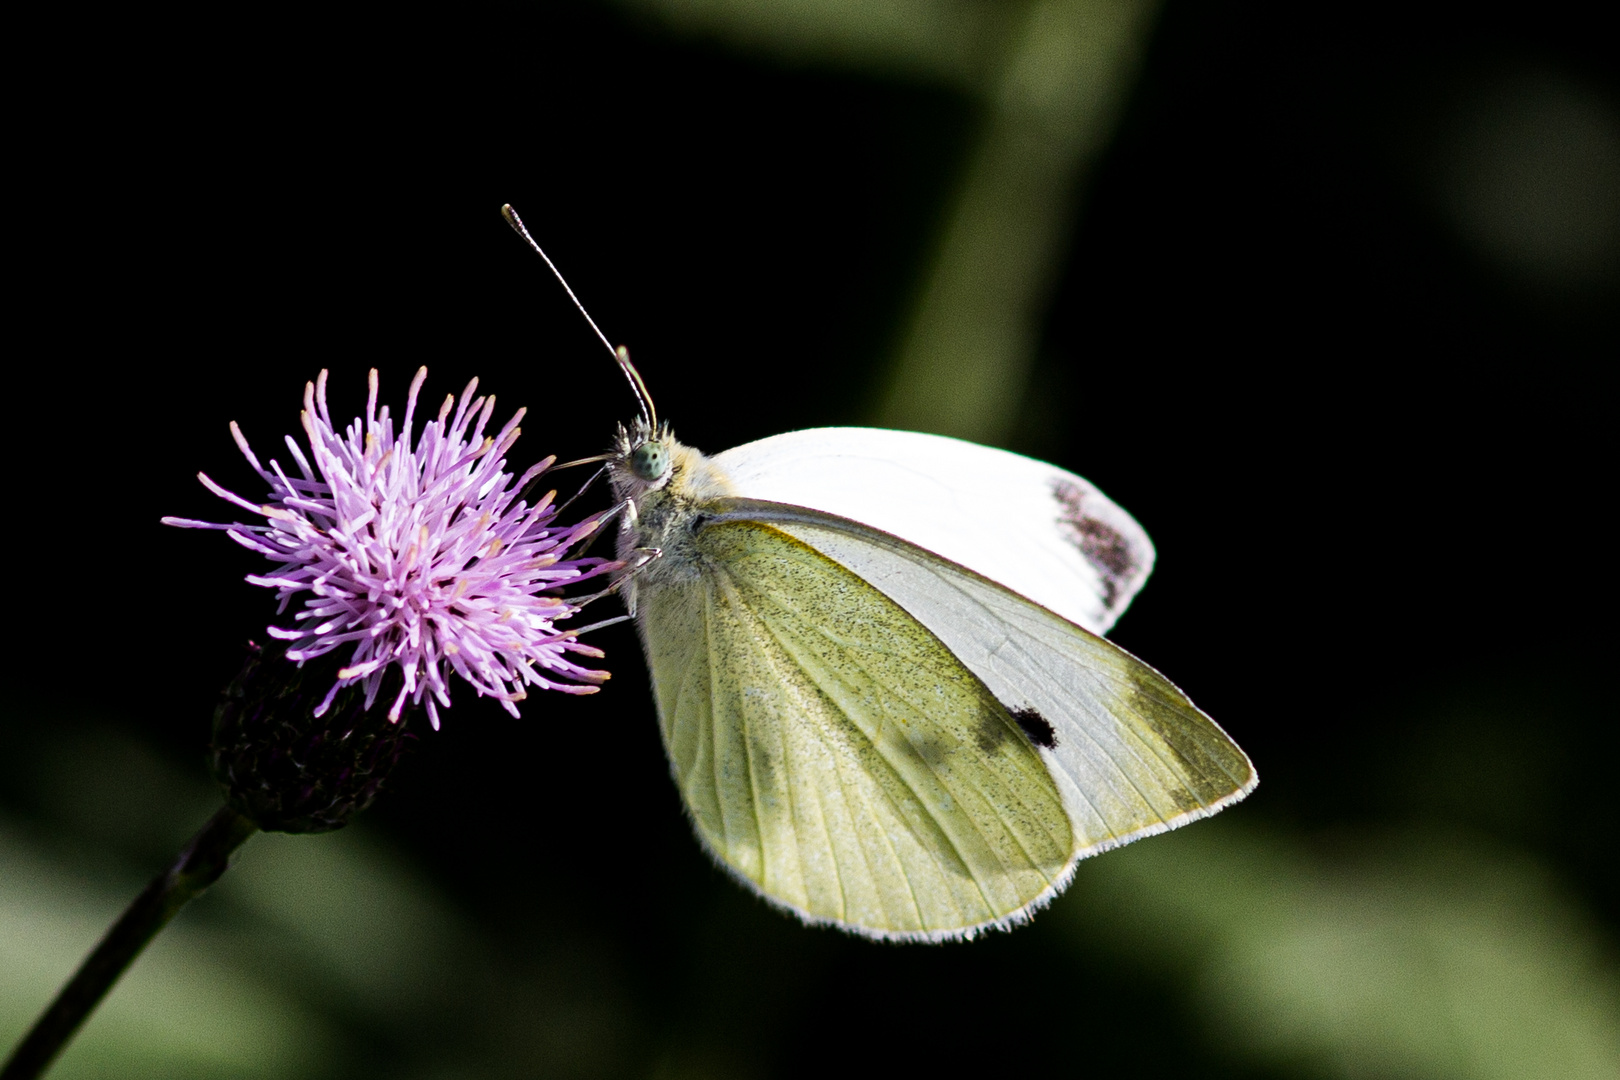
835	755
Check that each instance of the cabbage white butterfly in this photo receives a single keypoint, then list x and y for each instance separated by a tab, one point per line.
880	677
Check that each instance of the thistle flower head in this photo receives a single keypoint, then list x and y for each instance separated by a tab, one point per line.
417	552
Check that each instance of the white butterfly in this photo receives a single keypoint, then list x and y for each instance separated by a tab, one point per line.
879	674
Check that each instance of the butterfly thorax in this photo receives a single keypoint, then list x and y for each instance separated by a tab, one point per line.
668	486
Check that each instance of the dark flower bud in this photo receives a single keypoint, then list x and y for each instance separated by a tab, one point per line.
288	770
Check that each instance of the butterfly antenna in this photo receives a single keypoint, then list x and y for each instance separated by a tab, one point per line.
649	411
621	355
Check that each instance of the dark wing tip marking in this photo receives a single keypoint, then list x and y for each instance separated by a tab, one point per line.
1102	545
1037	727
1211	764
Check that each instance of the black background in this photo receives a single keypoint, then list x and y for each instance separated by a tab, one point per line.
1375	462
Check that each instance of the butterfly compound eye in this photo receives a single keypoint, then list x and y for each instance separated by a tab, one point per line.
649	461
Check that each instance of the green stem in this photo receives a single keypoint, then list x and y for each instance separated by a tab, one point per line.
199	865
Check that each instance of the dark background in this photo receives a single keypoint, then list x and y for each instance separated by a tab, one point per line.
1365	421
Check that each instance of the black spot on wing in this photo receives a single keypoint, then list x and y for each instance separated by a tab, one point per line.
994	731
1100	543
1037	727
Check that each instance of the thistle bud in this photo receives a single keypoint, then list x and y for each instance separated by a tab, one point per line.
283	767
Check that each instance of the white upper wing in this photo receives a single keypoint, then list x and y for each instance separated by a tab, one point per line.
1042	532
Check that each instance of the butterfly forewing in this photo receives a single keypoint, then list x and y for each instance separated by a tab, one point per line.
835	755
1130	753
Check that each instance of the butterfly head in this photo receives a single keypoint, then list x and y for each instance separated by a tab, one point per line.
648	460
643	460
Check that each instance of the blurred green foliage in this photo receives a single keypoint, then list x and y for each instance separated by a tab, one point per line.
1046	78
1405	951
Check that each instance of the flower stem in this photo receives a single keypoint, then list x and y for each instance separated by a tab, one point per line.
198	866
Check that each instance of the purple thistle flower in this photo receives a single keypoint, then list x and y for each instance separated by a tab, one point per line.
418	555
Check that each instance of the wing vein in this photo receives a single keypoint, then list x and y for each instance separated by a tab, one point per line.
850	798
899	862
714	724
929	810
748	743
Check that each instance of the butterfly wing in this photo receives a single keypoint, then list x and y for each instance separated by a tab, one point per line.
1045	533
835	755
1130	754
